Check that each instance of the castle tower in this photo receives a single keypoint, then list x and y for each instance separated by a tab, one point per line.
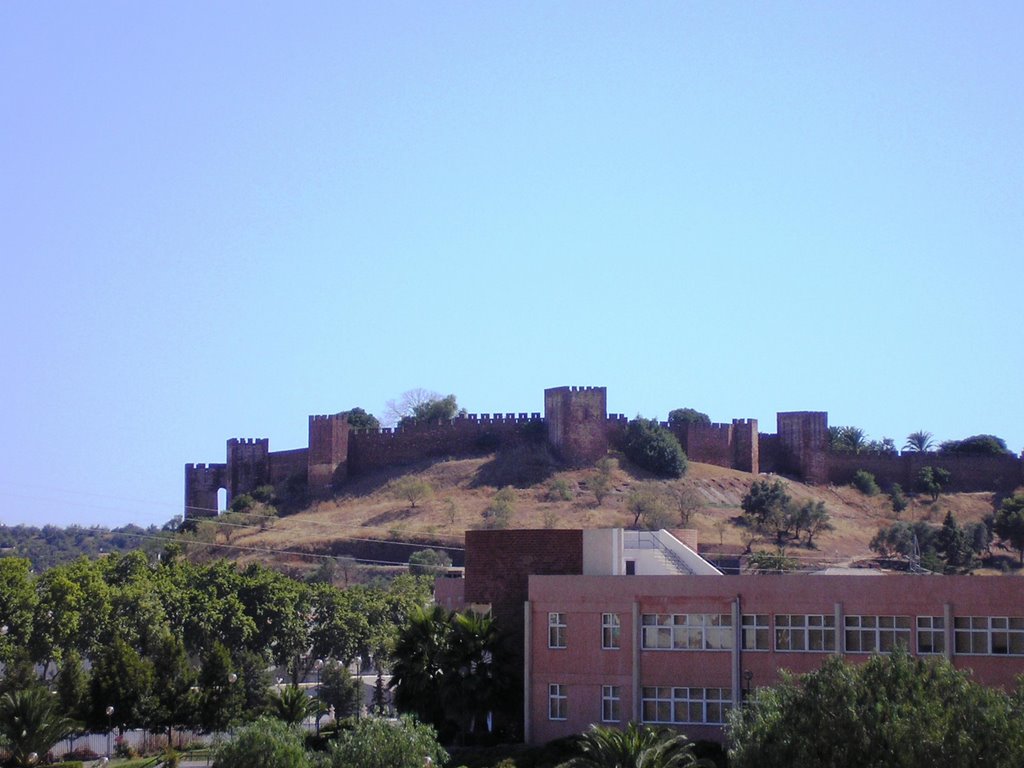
248	465
745	446
202	482
328	451
576	421
804	439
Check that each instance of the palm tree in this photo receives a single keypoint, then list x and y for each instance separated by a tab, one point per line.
31	724
419	664
477	679
636	746
919	441
293	706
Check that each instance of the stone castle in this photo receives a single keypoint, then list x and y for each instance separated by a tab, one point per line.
577	426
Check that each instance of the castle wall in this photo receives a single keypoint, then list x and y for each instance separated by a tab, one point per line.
771	454
286	464
968	473
328	451
202	482
248	465
377	449
804	438
577	423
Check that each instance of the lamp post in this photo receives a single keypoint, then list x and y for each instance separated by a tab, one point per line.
318	665
110	714
748	676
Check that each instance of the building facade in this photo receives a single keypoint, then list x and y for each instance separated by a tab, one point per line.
632	631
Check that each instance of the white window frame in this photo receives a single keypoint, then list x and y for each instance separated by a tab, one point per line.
686	632
611	704
682	705
558	702
875	634
805	632
931	635
557	630
611	631
988	635
757	632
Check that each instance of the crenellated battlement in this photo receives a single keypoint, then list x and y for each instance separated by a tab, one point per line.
579	429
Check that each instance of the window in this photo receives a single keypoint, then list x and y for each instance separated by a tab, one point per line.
558	702
876	634
610	630
631	567
999	635
931	634
684	705
611	703
556	630
755	632
686	631
800	632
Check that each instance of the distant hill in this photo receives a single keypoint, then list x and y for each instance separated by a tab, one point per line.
51	545
369	512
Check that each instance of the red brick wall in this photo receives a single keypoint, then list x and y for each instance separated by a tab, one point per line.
376	449
804	438
328	451
577	421
968	473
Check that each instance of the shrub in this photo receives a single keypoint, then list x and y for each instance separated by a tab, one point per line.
559	490
373	742
429	562
267	743
499	512
864	482
898	500
654	448
411	489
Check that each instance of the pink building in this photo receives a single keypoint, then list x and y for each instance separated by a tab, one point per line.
637	626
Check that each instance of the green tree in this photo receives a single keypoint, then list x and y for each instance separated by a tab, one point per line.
498	513
419	658
429	562
291	705
17	605
954	546
847	439
680	416
897	499
771	562
72	685
266	743
864	482
360	419
977	445
420	406
648	508
932	480
652	447
919	442
1009	523
476	682
220	698
174	701
893	711
121	679
412	489
373	742
31	724
340	690
813	518
635	746
767	508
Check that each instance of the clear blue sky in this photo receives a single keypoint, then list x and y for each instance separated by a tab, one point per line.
218	218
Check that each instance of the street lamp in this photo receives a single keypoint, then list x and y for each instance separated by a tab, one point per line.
318	665
110	713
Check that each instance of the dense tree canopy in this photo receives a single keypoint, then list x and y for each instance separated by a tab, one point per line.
654	448
892	712
681	416
976	445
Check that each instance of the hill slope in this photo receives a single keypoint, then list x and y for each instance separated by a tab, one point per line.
464	488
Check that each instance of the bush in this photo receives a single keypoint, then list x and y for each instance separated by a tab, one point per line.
864	482
373	742
266	743
429	562
499	512
654	448
559	490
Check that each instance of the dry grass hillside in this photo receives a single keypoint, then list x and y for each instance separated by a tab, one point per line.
541	497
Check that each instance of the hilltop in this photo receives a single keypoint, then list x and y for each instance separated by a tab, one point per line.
369	511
